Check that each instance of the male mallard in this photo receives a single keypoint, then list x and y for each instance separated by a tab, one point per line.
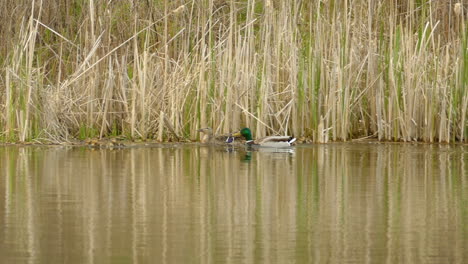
271	141
209	137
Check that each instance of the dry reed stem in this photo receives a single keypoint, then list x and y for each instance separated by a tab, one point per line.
319	69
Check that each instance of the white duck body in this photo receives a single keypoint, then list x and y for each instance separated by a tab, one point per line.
274	142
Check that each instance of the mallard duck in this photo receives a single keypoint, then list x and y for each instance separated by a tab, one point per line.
271	141
209	137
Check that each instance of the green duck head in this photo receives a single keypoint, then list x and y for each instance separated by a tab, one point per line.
245	132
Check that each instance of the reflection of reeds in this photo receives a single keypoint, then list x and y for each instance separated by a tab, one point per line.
376	203
162	69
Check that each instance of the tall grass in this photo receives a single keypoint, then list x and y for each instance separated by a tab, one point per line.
324	70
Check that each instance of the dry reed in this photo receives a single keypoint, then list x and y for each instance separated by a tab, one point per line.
324	70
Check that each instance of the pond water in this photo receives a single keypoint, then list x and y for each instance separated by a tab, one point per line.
335	203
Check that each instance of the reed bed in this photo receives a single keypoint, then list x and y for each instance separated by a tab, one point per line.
321	70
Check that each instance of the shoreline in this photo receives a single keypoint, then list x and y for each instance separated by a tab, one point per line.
123	144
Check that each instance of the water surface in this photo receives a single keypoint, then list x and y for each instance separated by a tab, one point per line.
336	203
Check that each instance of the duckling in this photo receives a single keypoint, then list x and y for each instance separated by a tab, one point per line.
103	143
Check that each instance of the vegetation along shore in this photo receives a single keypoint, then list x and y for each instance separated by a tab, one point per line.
328	70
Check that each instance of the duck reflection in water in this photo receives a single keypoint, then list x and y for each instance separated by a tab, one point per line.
278	153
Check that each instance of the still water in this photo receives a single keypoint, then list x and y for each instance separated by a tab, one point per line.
336	203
